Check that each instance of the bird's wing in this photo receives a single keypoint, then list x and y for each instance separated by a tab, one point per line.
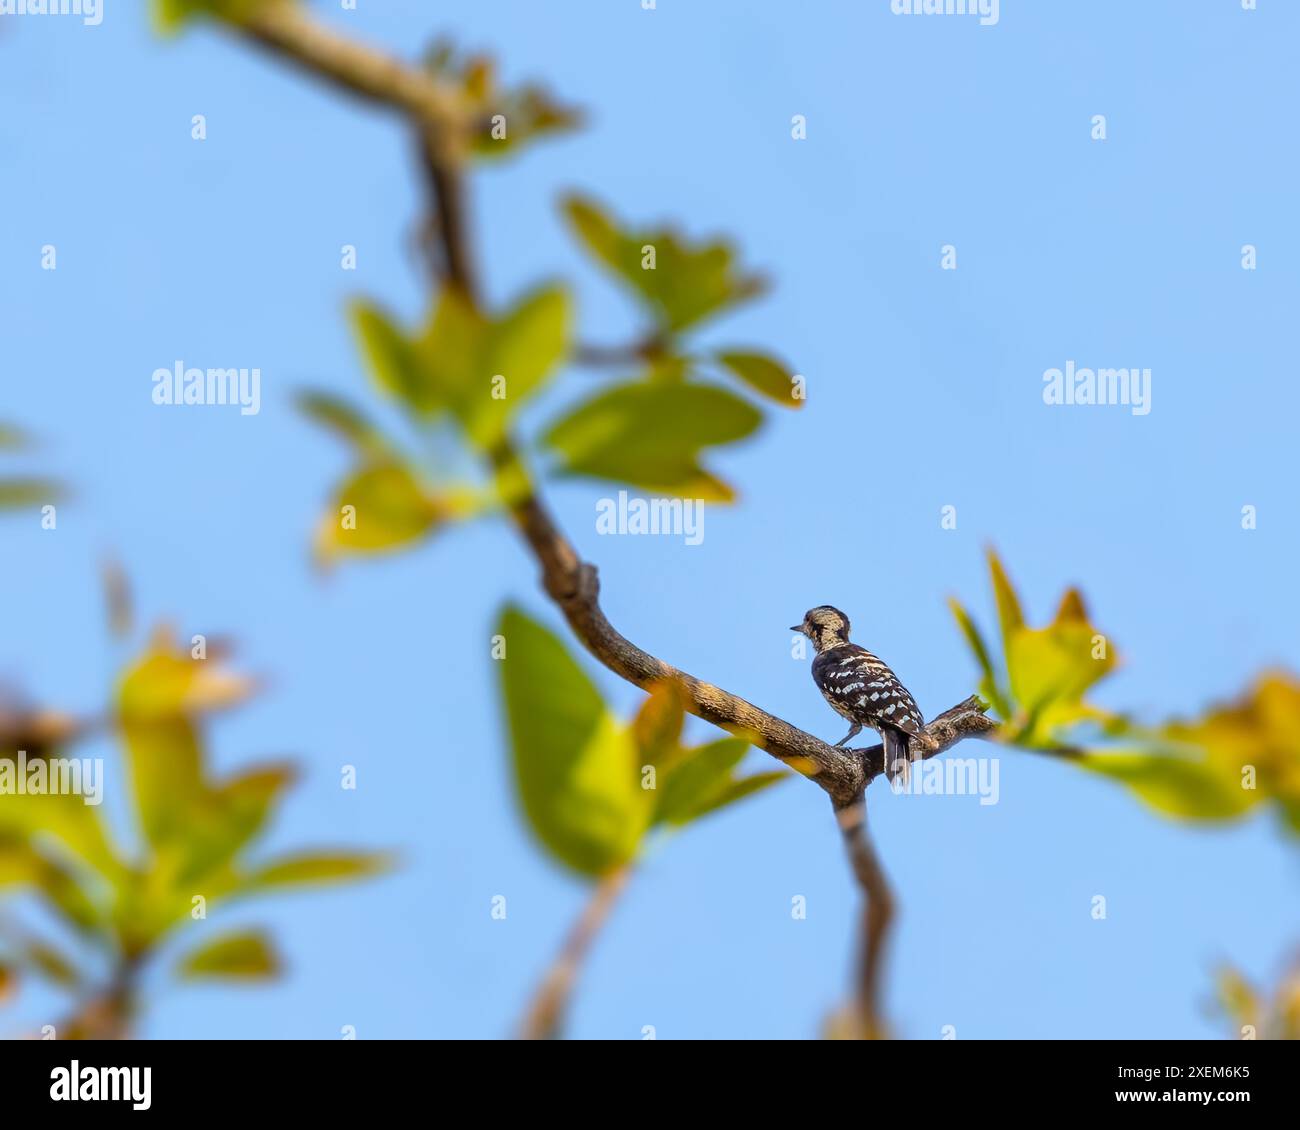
864	683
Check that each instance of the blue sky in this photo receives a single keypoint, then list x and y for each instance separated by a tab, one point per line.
924	391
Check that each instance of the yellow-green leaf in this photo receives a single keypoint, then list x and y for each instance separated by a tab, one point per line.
764	374
1175	785
395	361
64	888
171	15
314	868
64	817
652	435
989	687
344	420
521	351
51	964
381	507
681	282
737	789
226	818
16	492
243	956
657	726
696	777
1010	618
576	767
1051	670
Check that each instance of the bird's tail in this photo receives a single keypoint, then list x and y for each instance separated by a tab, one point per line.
898	755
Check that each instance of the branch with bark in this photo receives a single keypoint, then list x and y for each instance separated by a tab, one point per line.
572	583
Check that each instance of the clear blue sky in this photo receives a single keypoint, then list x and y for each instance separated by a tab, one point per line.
924	390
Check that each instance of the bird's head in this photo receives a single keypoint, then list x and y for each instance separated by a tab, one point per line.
825	626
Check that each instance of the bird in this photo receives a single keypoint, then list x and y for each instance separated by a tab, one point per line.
861	687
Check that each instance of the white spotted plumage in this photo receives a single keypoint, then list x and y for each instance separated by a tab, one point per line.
860	687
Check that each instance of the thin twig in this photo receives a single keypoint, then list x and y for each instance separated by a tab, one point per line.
545	1017
448	244
877	916
288	31
605	356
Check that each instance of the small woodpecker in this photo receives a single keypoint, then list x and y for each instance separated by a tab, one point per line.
860	687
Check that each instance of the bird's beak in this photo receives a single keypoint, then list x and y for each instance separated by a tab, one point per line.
797	628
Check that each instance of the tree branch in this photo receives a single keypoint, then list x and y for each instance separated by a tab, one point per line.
877	916
286	30
545	1017
571	582
447	234
604	356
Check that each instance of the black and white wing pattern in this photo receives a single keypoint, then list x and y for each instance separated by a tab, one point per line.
862	688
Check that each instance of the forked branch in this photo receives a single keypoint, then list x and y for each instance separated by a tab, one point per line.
440	127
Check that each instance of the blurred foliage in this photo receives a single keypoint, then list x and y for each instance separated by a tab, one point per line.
467	372
580	770
503	119
1256	1014
25	490
592	785
172	15
651	436
1213	768
686	284
196	838
1039	689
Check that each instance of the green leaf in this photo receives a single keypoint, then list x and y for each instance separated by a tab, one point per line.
737	790
166	776
451	350
1051	671
696	778
225	819
315	868
1009	615
57	883
576	767
523	348
530	113
171	15
16	492
381	507
651	436
159	697
51	964
657	727
764	374
687	282
395	361
345	421
989	688
501	120
11	438
1177	786
243	956
484	370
